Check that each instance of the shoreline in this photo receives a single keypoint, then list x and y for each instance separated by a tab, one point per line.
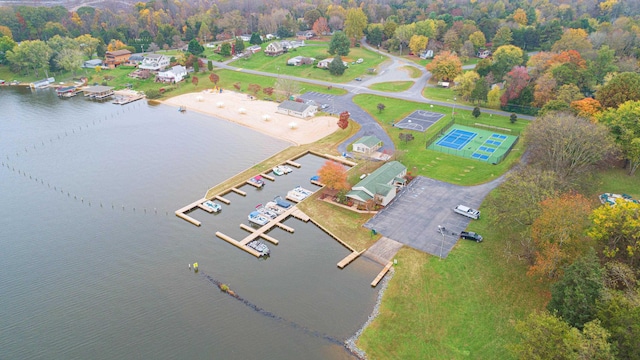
258	115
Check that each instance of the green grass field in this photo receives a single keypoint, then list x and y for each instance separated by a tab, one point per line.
392	86
278	64
462	307
486	145
431	163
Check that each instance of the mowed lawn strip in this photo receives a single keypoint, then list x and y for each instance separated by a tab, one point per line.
435	164
392	86
462	307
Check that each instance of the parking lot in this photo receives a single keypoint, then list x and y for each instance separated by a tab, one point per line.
415	214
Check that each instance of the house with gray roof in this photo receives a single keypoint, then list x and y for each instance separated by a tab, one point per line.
297	109
367	145
381	186
154	62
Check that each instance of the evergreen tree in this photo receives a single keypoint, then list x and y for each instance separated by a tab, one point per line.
336	67
339	44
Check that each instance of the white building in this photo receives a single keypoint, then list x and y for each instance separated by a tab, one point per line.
154	62
173	75
297	109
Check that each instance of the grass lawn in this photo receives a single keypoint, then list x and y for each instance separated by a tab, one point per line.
618	181
278	64
413	72
434	164
393	86
458	308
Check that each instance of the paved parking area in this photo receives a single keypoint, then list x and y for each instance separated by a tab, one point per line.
414	215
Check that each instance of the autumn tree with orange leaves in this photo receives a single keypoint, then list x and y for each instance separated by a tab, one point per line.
586	107
334	176
558	234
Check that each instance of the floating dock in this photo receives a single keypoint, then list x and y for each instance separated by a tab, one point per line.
317	183
221	199
268	177
181	213
382	273
253	184
294	164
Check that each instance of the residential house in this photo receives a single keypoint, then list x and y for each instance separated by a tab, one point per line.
381	186
116	58
367	145
253	49
245	37
274	49
135	59
173	75
297	109
483	54
324	64
90	64
295	44
300	60
305	35
426	54
154	62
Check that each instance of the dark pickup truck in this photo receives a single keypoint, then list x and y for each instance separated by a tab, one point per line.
471	236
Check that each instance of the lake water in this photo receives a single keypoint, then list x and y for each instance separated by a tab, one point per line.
93	261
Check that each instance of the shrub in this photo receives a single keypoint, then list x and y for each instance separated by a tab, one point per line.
152	94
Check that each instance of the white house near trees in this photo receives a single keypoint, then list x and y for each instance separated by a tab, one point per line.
173	75
154	62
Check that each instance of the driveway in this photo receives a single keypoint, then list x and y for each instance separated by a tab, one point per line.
414	215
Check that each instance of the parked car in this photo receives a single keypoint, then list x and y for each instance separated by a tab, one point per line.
469	235
324	106
467	211
359	61
358	79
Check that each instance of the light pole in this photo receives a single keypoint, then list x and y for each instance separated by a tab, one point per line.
453	109
441	230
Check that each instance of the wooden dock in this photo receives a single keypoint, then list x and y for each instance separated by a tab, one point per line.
253	184
291	198
268	177
318	183
298	214
347	260
181	213
205	208
284	227
238	191
294	164
382	273
221	199
232	241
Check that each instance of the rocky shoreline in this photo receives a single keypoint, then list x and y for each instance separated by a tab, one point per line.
350	344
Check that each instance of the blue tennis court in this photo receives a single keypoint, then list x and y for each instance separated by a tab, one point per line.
486	149
493	142
457	139
479	156
498	136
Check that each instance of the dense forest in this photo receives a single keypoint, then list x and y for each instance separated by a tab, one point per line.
574	63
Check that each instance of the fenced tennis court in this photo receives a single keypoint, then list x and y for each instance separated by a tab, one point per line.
473	143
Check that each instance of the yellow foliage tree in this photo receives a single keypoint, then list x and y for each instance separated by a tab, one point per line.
465	83
493	97
617	229
520	16
115	45
418	43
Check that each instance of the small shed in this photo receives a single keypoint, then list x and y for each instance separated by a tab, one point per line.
296	109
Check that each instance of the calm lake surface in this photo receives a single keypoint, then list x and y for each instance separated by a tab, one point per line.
93	261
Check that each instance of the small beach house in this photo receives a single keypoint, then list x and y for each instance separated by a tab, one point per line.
367	145
297	109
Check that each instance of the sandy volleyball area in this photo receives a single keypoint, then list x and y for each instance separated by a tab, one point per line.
257	114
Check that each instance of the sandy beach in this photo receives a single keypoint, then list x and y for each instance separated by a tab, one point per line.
257	114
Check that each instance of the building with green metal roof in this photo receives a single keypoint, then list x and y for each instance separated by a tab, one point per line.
367	144
381	185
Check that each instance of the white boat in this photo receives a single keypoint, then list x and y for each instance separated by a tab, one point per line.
286	169
278	171
257	218
295	195
260	247
213	206
303	190
271	205
266	212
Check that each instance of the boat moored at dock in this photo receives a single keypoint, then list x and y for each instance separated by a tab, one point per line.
256	218
216	208
260	247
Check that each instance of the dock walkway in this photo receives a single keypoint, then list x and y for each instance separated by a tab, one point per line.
383	250
382	273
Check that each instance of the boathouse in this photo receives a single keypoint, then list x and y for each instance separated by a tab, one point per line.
381	185
98	92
